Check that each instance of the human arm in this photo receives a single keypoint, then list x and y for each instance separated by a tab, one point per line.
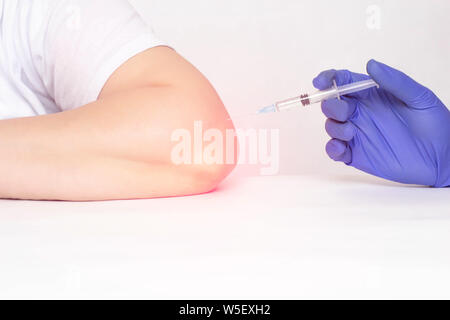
118	147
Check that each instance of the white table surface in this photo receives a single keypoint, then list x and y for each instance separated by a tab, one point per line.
262	238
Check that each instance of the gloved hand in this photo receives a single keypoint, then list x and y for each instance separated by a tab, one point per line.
400	132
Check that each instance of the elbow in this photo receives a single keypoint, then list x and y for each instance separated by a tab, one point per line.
207	151
192	145
208	177
211	163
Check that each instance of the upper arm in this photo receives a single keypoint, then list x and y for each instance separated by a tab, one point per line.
162	66
159	66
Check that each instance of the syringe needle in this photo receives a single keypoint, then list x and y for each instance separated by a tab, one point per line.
268	109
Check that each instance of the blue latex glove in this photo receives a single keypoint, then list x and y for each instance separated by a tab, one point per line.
400	132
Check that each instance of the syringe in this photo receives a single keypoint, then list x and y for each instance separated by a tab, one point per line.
306	99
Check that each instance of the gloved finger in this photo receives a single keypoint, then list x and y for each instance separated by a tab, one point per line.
340	110
339	151
344	131
400	85
325	79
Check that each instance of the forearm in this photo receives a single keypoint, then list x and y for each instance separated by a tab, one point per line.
116	148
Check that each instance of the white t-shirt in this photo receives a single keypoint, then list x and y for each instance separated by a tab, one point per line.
56	55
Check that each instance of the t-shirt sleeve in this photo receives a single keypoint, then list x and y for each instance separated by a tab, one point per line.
80	43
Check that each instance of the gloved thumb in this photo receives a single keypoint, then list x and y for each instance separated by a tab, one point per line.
399	84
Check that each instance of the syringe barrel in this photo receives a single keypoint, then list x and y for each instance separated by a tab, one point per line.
357	86
319	96
289	104
336	92
322	95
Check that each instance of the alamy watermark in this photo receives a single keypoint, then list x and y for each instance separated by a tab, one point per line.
373	21
214	146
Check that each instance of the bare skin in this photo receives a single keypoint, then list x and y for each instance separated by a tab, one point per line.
118	147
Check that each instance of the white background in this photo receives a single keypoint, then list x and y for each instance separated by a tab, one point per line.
258	51
329	237
339	235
